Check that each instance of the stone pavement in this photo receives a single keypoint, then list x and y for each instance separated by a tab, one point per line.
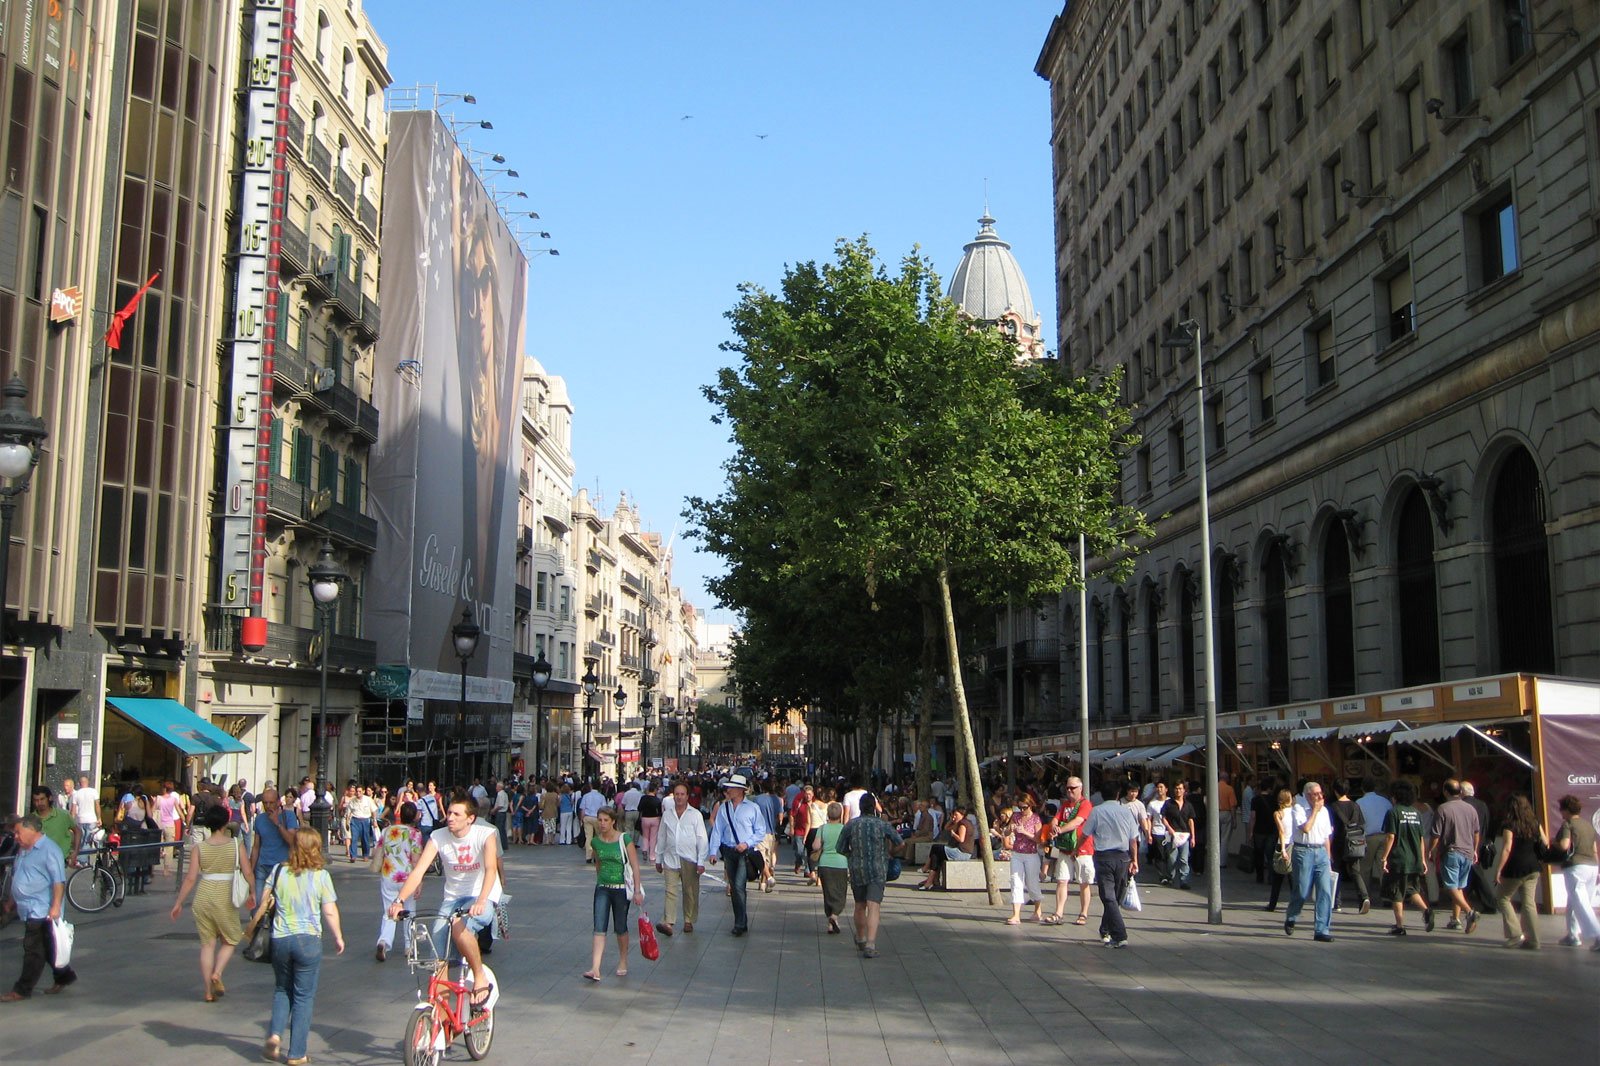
953	985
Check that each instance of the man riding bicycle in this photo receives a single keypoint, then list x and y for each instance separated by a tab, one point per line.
469	852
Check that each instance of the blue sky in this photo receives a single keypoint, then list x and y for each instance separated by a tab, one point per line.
881	117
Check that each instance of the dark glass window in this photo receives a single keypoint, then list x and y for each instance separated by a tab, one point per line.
1125	647
109	555
1187	607
1417	593
1275	624
1523	614
1497	239
1227	647
1152	636
1338	613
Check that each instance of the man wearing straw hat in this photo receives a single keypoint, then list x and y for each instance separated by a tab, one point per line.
736	837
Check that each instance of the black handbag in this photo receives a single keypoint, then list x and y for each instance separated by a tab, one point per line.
755	864
258	938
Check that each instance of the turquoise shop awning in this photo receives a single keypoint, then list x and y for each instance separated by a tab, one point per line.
173	723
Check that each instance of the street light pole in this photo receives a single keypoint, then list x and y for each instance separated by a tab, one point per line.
541	678
591	685
325	578
620	698
1213	818
465	634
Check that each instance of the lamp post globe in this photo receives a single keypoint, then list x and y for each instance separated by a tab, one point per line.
325	578
464	634
647	720
591	688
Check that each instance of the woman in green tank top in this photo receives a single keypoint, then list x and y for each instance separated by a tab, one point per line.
616	867
832	867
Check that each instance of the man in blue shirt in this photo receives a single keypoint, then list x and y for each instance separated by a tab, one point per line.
736	832
273	829
38	884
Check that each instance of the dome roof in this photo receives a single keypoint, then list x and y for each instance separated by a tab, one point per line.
989	283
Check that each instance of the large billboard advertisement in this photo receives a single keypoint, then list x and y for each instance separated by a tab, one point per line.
448	379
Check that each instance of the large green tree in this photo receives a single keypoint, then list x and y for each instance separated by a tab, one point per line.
886	442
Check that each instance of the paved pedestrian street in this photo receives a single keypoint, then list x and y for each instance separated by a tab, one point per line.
953	984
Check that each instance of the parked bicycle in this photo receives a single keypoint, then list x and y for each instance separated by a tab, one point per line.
443	1011
100	884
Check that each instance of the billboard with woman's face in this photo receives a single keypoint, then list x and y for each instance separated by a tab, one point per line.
448	380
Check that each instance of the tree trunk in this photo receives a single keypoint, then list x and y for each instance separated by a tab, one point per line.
958	697
924	730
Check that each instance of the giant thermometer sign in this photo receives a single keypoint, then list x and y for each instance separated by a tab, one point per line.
256	316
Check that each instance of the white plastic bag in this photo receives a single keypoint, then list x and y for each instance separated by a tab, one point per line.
63	951
1130	898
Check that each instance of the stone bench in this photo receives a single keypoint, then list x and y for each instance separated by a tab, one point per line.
918	854
964	876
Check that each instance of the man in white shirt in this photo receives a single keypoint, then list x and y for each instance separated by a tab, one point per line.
85	807
589	809
680	858
630	807
470	853
852	801
480	795
1311	862
502	812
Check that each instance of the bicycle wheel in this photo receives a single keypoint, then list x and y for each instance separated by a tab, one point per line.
419	1039
479	1034
120	878
91	889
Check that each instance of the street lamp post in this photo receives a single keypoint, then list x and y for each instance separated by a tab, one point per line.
541	678
591	686
646	713
21	434
465	634
325	578
620	698
1188	336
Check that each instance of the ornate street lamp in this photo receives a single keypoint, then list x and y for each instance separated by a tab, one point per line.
647	714
325	578
21	433
541	678
465	634
591	687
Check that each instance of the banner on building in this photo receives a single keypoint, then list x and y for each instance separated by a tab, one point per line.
448	379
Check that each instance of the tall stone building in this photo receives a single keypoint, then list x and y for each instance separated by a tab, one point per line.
1381	217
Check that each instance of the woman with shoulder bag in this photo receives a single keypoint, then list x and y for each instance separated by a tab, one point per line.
616	869
831	866
216	918
1283	818
304	898
1522	840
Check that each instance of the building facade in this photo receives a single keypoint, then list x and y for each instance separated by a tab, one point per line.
323	421
1381	217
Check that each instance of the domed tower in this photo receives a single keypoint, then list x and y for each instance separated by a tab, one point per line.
989	286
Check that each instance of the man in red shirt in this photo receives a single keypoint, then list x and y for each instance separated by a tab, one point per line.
799	826
1074	853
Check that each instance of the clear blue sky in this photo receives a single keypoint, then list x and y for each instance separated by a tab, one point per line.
880	117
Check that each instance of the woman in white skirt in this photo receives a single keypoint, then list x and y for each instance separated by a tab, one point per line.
398	848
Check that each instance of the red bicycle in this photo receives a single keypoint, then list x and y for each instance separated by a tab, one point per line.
444	1009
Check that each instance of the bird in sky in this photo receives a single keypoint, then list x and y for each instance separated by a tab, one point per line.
686	118
761	136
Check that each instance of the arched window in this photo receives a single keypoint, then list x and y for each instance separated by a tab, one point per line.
371	106
322	38
319	119
1275	623
1188	603
1152	636
1416	590
347	73
1097	612
1523	615
344	152
366	179
1338	612
1227	639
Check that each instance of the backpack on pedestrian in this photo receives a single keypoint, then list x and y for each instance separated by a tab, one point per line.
1353	824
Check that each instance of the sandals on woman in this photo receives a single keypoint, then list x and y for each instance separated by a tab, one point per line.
1082	919
1050	919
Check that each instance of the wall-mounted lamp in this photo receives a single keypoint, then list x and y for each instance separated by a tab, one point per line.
1286	551
1353	523
1281	254
1438	494
1348	187
1233	304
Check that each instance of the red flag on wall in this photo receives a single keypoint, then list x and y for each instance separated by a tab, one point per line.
120	319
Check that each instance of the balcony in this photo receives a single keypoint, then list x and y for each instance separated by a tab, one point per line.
286	499
630	660
342	522
633	581
294	250
557	512
318	283
591	560
290	645
289	372
606	637
524	598
297	132
344	187
345	293
355	414
367	215
522	665
594	649
591	605
524	543
630	618
319	158
370	318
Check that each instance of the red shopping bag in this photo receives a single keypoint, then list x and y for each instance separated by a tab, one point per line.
648	945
